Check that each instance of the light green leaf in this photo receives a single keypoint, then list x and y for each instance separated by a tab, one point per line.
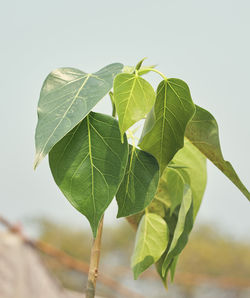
183	227
151	241
134	98
67	96
140	182
203	132
192	168
88	165
164	128
190	164
170	190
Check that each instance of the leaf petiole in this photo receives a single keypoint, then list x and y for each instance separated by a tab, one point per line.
155	70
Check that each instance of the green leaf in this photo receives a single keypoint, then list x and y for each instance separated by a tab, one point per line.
140	182
173	267
203	132
190	163
183	227
151	241
139	64
88	165
134	98
164	128
170	190
67	96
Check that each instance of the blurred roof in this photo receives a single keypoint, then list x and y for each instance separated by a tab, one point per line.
22	273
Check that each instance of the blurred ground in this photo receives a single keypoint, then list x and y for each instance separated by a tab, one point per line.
212	265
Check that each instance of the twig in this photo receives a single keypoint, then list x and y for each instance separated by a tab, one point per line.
94	262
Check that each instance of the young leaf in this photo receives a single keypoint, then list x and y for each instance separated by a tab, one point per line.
151	241
139	64
173	267
139	184
67	96
134	98
88	165
190	164
203	132
164	128
193	171
170	190
183	227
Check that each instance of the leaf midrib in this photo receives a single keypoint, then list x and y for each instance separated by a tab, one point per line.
62	118
128	101
92	168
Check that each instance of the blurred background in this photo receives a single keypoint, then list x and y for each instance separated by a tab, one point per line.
205	43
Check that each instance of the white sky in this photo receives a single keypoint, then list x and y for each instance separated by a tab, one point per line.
205	43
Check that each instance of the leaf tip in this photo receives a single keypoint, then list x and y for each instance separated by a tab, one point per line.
136	273
39	156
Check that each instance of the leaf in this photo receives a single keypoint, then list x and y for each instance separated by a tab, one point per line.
151	241
203	132
164	128
190	163
139	184
88	165
173	267
183	227
67	96
139	64
170	190
134	98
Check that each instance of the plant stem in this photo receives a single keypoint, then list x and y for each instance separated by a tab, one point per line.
94	262
154	70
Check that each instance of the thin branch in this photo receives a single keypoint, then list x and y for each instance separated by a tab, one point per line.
94	262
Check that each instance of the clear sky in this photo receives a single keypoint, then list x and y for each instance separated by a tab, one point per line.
205	43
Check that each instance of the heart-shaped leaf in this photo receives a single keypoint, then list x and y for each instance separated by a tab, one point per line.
151	241
140	182
164	128
134	98
67	96
203	133
88	165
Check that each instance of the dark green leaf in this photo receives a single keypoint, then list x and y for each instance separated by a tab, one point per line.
164	128
173	267
203	132
140	182
67	96
134	98
151	241
88	165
